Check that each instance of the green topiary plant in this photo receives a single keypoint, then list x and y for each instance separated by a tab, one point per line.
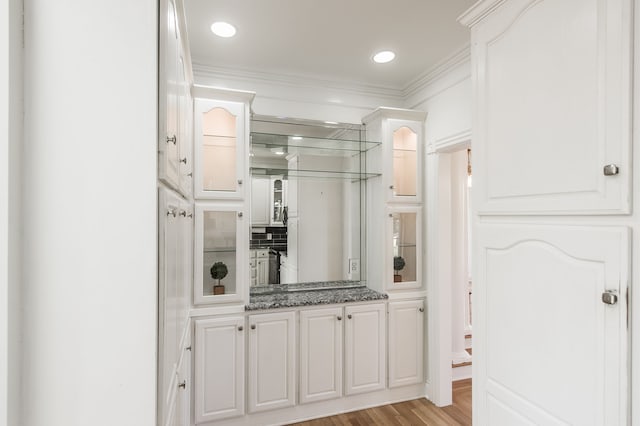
219	271
398	263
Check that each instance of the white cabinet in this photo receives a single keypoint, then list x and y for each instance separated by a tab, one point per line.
175	265
219	368
278	201
406	342
321	354
185	126
365	361
221	249
259	267
403	148
184	385
272	366
260	213
221	146
570	118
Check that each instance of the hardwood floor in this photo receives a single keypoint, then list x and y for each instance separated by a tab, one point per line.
409	413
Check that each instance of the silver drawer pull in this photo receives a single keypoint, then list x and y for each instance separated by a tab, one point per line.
610	170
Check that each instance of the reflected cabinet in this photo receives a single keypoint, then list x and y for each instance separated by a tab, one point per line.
221	248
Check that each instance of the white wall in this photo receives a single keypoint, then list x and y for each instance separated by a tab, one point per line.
90	249
10	200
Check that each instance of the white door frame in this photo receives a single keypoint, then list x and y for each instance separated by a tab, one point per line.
439	259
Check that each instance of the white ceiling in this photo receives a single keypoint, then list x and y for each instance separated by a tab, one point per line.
328	39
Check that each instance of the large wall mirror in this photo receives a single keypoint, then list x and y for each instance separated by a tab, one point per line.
307	212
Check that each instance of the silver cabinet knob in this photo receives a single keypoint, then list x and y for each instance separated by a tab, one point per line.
184	160
609	297
190	174
610	170
172	139
240	328
188	348
253	326
390	186
349	316
390	215
421	309
239	181
240	214
171	212
183	213
183	385
339	318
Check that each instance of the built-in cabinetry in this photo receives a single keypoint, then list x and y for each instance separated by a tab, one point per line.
268	200
259	261
396	224
551	145
175	218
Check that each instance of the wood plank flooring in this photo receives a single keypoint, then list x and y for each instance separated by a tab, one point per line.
409	413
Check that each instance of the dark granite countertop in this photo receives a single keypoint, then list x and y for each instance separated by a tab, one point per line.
307	294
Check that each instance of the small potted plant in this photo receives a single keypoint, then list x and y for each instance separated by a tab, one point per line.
218	271
398	265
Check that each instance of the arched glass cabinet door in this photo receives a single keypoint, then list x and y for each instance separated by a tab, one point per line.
404	183
220	149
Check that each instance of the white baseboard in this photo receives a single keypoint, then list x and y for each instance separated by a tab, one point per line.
461	373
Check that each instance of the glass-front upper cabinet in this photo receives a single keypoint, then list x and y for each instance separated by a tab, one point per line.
221	252
278	200
404	232
404	164
221	143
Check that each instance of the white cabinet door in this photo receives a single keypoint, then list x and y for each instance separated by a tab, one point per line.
547	350
404	142
220	149
406	342
553	107
272	342
219	369
168	153
183	398
185	265
262	271
365	362
320	354
260	201
185	143
169	262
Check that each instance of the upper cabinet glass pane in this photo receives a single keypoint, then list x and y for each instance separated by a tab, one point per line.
219	257
219	151
404	247
405	162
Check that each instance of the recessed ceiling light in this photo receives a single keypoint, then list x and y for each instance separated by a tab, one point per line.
384	57
279	152
330	122
296	138
223	29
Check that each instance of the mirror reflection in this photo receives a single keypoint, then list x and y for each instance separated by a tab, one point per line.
305	201
404	247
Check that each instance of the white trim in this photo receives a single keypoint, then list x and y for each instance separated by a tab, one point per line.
222	94
461	373
293	80
451	142
437	71
478	12
396	114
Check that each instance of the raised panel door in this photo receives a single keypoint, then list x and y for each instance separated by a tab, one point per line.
406	342
272	365
547	350
404	152
321	334
219	369
365	343
553	107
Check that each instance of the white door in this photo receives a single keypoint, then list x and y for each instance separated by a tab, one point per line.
272	380
219	369
365	361
547	349
406	342
321	354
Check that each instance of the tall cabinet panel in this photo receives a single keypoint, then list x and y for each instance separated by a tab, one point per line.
406	343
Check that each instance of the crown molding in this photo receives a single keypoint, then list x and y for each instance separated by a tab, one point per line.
298	81
478	12
438	70
395	113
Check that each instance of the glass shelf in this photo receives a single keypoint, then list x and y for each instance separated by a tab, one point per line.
318	145
324	174
220	250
